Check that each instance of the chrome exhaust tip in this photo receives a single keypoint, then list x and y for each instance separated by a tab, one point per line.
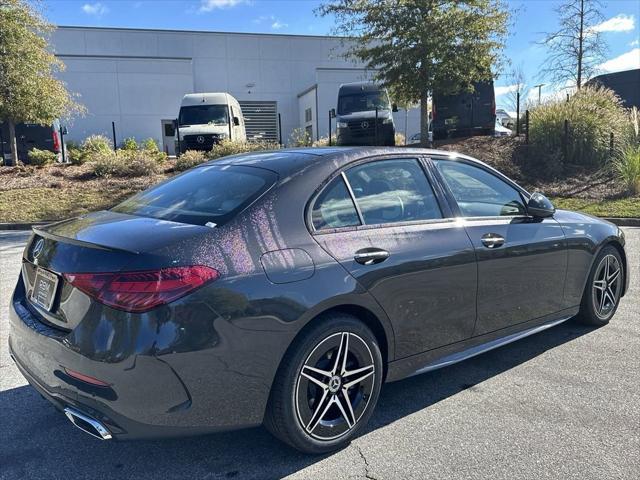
87	424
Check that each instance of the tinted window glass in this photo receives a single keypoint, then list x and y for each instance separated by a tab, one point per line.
203	114
362	102
333	208
393	191
479	193
201	195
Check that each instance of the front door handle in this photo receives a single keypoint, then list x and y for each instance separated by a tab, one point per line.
370	256
492	240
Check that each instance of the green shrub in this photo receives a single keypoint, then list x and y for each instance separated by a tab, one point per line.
321	142
150	146
96	144
628	168
129	144
593	114
229	147
73	153
300	138
39	157
123	163
399	138
189	159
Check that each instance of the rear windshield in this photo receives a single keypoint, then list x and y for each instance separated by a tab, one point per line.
204	195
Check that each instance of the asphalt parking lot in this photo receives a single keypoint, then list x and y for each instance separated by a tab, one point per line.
562	404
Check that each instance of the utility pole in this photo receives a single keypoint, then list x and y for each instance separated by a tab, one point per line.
539	87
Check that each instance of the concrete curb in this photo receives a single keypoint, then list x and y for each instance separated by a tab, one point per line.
22	226
624	222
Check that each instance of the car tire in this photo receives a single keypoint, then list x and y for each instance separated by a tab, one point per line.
604	288
307	407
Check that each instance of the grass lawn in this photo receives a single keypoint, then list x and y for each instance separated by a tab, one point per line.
623	207
38	204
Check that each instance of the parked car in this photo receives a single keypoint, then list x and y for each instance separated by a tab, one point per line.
206	119
415	138
464	114
286	287
501	131
31	135
364	115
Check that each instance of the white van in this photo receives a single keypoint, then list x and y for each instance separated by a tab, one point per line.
206	119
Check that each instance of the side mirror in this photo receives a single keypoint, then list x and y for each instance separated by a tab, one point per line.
539	206
332	113
236	121
394	107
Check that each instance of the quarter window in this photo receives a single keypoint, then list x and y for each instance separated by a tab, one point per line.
478	193
389	191
334	208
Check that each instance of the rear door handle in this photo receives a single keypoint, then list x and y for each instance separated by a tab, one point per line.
492	240
370	256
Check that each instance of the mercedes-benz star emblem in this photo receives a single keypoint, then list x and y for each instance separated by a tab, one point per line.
365	124
37	248
200	139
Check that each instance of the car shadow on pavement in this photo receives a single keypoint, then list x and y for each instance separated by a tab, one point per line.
36	441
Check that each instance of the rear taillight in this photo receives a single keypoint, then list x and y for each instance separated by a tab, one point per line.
142	291
56	142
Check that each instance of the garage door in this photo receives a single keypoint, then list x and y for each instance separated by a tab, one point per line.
260	120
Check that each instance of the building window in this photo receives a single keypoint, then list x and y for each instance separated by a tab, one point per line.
307	115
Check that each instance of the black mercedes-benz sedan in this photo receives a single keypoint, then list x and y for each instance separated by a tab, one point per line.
284	288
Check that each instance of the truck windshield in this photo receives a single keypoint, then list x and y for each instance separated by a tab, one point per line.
203	114
362	102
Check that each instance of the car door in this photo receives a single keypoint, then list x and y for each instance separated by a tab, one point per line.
383	222
522	261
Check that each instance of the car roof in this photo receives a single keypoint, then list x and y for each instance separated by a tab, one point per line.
290	160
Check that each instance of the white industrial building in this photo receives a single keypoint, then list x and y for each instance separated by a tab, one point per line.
136	78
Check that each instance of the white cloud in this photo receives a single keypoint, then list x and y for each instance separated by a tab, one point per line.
97	9
619	23
505	89
209	5
277	25
626	61
635	43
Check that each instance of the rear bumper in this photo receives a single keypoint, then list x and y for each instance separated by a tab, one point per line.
150	393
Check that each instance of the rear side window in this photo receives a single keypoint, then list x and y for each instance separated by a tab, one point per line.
479	193
208	194
334	208
389	191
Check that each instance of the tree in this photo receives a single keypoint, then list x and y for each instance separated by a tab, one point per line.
417	47
576	48
29	90
520	90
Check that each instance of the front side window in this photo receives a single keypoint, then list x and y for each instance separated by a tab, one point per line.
478	193
389	191
334	208
203	115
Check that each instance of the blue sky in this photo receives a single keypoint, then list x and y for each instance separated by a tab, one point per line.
621	29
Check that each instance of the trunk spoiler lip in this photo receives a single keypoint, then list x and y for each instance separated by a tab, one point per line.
81	243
